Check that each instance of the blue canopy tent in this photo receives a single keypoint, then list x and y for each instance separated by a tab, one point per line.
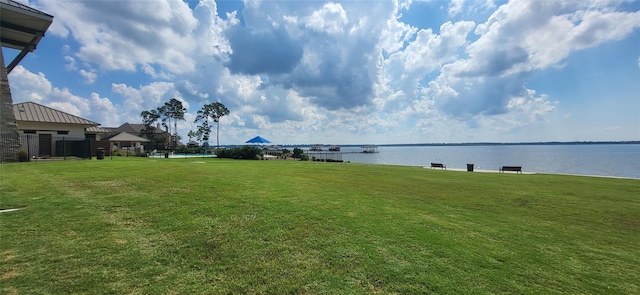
258	139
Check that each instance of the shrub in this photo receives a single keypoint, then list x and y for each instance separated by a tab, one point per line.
119	152
183	149
23	156
298	153
245	152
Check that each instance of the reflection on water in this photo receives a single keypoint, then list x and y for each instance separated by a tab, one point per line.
622	160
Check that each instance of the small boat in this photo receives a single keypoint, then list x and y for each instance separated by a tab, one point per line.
316	148
334	148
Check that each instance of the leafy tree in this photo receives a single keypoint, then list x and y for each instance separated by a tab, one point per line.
204	129
193	135
177	137
213	111
172	111
149	119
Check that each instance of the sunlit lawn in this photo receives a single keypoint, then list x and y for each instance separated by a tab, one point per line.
210	226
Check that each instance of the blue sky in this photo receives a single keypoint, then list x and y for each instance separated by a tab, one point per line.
348	72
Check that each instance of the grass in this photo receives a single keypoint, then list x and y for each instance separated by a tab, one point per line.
211	226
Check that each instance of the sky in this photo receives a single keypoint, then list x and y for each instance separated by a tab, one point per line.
347	72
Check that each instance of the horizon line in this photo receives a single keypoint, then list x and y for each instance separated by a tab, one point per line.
462	143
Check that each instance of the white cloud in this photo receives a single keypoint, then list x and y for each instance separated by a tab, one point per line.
487	88
71	63
316	71
146	97
89	75
455	7
534	35
395	34
242	88
331	18
429	51
401	74
28	86
125	35
533	109
104	109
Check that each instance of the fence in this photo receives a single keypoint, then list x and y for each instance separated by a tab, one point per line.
17	147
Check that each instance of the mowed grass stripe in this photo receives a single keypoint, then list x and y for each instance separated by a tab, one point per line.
140	226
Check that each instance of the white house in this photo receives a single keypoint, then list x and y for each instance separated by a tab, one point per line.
45	131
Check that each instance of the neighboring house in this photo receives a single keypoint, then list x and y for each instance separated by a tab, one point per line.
134	137
96	133
45	131
127	141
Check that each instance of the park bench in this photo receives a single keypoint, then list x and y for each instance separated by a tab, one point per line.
511	168
438	165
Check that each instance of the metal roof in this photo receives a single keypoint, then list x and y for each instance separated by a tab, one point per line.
96	129
133	128
33	112
123	136
126	127
21	28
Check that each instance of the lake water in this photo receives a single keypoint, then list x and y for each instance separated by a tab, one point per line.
182	156
620	160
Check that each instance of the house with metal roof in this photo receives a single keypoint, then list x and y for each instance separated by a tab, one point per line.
44	130
31	115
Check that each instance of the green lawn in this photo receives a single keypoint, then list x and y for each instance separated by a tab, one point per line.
211	226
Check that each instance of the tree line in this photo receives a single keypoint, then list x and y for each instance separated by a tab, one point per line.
171	112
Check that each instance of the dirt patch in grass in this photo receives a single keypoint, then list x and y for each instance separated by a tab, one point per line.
120	241
10	273
6	256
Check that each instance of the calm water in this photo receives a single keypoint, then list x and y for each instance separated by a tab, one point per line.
622	160
173	156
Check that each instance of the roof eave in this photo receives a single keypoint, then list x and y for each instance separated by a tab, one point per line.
26	10
21	28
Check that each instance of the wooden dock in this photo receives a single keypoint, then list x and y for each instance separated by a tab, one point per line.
316	153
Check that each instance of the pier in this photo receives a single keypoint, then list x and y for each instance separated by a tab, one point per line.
336	154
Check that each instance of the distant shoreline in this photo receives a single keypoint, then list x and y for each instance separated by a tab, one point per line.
481	143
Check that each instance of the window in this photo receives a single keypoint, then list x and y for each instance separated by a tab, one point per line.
63	132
